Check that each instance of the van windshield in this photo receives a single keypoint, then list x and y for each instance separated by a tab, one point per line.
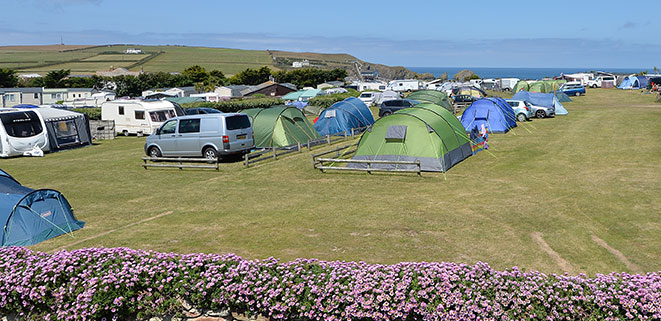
21	124
161	115
237	122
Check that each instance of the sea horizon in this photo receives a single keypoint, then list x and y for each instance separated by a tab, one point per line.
521	72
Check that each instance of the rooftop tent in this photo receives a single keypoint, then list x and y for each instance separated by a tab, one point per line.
293	95
66	129
541	99
488	112
562	97
429	134
432	96
280	126
521	85
32	216
344	115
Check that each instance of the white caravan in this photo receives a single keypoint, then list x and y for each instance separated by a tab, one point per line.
22	132
508	83
404	85
140	117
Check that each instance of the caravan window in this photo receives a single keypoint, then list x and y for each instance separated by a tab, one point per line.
161	115
121	110
21	124
139	114
66	132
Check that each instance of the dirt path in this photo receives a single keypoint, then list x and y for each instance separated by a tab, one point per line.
632	267
564	264
110	231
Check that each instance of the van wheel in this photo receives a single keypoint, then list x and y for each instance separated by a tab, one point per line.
521	117
154	152
210	153
125	132
540	114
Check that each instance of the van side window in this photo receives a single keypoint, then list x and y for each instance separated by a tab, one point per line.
189	126
121	110
139	114
169	127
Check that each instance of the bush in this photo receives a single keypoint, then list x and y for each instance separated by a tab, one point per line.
328	100
92	113
236	105
130	284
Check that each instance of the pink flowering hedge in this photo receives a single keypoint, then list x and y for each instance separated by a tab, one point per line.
121	283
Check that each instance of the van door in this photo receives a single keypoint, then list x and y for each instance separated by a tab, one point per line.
239	132
167	140
188	137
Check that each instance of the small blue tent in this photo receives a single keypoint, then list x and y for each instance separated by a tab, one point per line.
543	100
507	109
344	115
31	216
490	112
634	82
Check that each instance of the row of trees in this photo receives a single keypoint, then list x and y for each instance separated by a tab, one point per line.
192	76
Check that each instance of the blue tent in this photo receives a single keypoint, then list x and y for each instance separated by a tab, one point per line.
543	100
32	216
344	115
298	104
490	112
634	82
507	109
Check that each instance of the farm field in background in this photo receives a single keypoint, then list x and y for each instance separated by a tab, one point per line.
578	193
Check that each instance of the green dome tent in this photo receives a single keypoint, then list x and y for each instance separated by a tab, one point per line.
537	87
521	85
280	126
427	132
432	96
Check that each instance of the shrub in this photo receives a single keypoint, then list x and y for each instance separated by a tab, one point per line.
235	105
328	100
123	284
92	113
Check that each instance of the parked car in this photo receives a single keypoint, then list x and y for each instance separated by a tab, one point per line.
201	110
522	109
390	106
205	135
573	89
464	99
540	111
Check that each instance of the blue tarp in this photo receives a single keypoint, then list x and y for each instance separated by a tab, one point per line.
634	82
32	216
490	112
543	100
344	115
298	104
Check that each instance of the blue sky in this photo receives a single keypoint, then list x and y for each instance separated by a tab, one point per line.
476	33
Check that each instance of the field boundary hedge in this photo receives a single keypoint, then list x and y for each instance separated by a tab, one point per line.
126	284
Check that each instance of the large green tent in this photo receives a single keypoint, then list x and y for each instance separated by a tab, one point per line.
280	126
427	132
537	87
521	85
432	96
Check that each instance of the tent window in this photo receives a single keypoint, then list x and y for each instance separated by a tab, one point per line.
329	114
396	132
66	132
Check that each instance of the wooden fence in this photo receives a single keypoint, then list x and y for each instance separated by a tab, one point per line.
323	164
150	162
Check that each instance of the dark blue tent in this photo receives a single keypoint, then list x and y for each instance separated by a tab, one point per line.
32	216
507	109
344	115
490	112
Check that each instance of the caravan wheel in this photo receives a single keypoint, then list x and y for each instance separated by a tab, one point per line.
125	132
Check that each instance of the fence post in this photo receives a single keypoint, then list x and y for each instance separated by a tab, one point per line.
417	162
245	157
352	132
346	135
314	164
275	155
369	166
328	139
298	145
308	145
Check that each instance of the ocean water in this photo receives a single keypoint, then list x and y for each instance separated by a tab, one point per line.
522	73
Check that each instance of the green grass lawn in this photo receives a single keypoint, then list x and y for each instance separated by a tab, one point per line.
595	172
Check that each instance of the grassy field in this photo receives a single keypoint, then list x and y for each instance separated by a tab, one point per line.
578	193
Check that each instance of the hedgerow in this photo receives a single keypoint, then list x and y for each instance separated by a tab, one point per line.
120	283
328	100
235	105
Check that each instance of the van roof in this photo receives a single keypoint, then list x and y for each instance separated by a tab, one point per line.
209	115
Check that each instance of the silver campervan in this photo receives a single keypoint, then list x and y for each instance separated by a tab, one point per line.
206	135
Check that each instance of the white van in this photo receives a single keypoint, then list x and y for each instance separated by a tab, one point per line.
206	135
599	81
22	132
139	117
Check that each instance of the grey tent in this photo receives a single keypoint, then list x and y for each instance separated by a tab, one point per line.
66	129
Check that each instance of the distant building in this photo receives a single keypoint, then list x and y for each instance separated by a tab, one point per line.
369	74
231	91
30	76
133	51
299	64
268	88
159	93
16	96
330	84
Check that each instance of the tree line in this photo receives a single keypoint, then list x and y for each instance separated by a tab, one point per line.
196	75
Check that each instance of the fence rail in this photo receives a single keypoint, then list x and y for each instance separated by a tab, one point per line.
211	163
322	163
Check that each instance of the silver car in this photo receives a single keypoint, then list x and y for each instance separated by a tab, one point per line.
206	135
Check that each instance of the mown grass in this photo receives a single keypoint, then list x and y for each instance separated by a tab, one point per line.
593	172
